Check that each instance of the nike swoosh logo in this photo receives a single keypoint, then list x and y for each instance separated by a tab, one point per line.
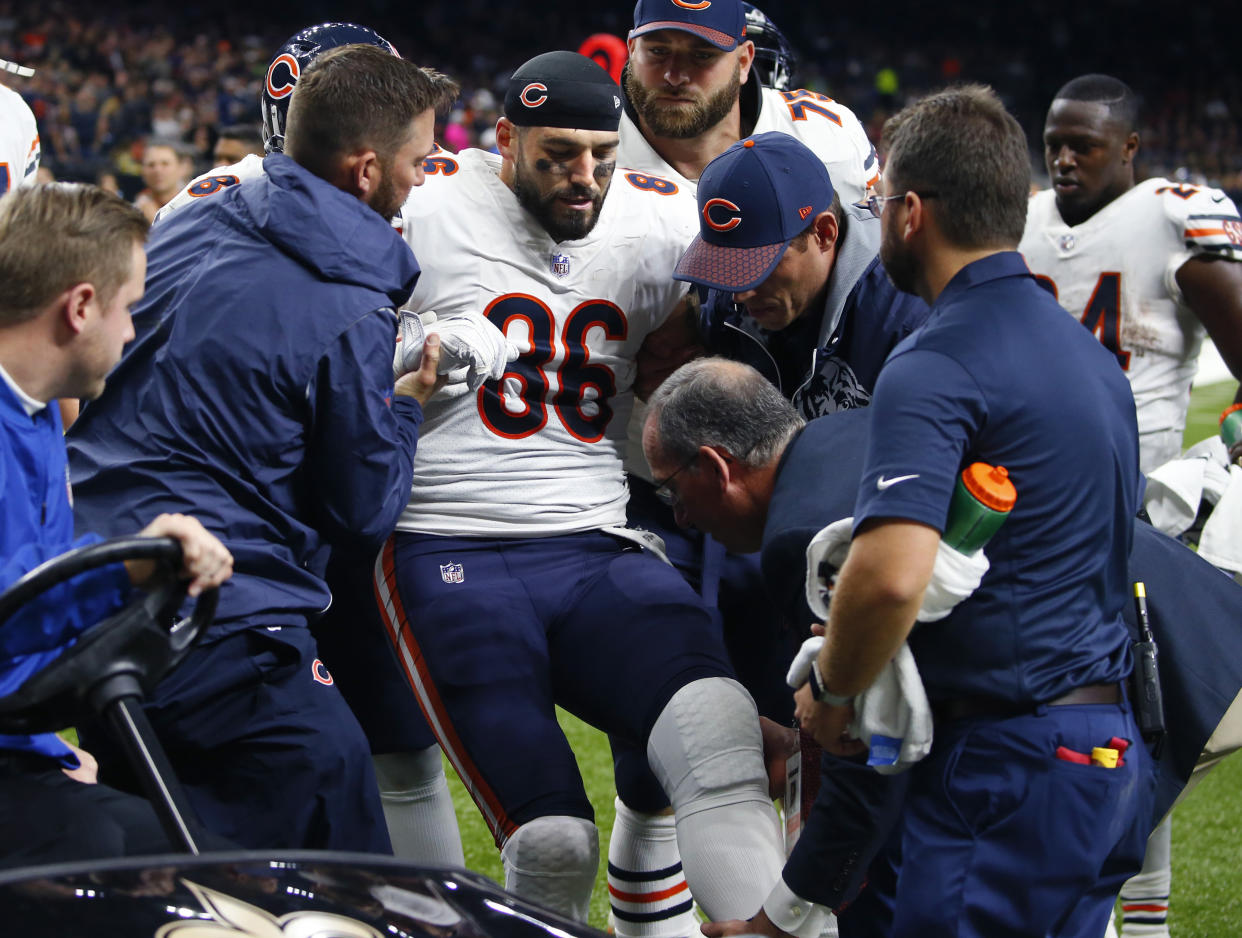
882	483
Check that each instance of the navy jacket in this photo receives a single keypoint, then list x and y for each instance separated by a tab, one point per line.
830	361
258	394
36	524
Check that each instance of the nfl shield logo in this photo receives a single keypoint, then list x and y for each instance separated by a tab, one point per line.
1067	242
560	265
452	573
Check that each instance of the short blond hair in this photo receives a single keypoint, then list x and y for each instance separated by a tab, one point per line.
56	235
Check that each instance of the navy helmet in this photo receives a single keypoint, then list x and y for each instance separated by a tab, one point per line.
775	59
290	61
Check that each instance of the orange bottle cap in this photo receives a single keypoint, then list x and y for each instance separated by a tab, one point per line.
991	485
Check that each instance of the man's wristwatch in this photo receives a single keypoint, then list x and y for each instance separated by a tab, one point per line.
820	692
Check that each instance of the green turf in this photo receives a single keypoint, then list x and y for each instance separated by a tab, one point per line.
1206	403
1207	857
1207	829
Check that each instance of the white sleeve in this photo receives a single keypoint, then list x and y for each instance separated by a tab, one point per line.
1205	222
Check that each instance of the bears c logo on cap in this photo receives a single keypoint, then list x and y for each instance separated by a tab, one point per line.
286	87
539	89
730	214
703	5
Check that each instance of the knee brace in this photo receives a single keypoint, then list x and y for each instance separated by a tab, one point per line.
707	752
552	861
706	748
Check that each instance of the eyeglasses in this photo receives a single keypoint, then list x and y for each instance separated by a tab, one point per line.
876	202
663	492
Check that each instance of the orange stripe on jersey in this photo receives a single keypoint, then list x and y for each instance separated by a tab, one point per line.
34	145
1204	232
1127	907
647	896
413	664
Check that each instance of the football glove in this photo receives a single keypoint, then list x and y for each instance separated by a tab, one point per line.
472	349
411	334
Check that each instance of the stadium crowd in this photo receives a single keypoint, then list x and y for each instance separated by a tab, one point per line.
898	325
108	81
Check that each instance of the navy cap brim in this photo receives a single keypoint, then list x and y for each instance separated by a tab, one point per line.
735	270
717	38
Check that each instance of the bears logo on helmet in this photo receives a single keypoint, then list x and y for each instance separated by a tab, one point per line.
775	59
291	60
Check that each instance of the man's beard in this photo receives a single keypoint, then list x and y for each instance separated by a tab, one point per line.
384	199
898	261
682	123
562	225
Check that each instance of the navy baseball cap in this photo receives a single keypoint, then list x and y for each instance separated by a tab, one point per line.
720	22
754	198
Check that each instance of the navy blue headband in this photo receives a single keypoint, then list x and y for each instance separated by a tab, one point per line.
563	89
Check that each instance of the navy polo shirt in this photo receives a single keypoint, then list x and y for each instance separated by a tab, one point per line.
999	374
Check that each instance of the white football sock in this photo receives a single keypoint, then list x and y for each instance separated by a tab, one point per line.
418	807
647	888
1145	896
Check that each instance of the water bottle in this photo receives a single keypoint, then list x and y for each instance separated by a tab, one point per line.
1231	424
982	499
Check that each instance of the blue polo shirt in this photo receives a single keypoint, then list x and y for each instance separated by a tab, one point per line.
999	374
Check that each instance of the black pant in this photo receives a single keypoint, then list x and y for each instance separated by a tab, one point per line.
47	817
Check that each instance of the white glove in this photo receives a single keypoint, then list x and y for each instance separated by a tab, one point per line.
800	668
411	334
472	349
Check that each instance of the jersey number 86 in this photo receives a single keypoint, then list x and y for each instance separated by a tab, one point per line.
581	401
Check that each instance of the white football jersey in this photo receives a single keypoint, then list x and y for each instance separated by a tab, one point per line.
19	141
1117	273
538	452
211	182
827	127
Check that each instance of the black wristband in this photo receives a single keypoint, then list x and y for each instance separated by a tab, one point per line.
820	692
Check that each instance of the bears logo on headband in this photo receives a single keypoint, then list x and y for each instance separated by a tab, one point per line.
563	89
535	86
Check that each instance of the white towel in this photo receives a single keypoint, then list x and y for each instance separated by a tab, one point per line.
954	577
824	557
1177	489
1220	543
892	715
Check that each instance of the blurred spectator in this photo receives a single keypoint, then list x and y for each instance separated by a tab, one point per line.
164	171
236	142
456	137
111	77
107	181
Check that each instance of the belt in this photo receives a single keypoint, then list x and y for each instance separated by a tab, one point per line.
961	708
